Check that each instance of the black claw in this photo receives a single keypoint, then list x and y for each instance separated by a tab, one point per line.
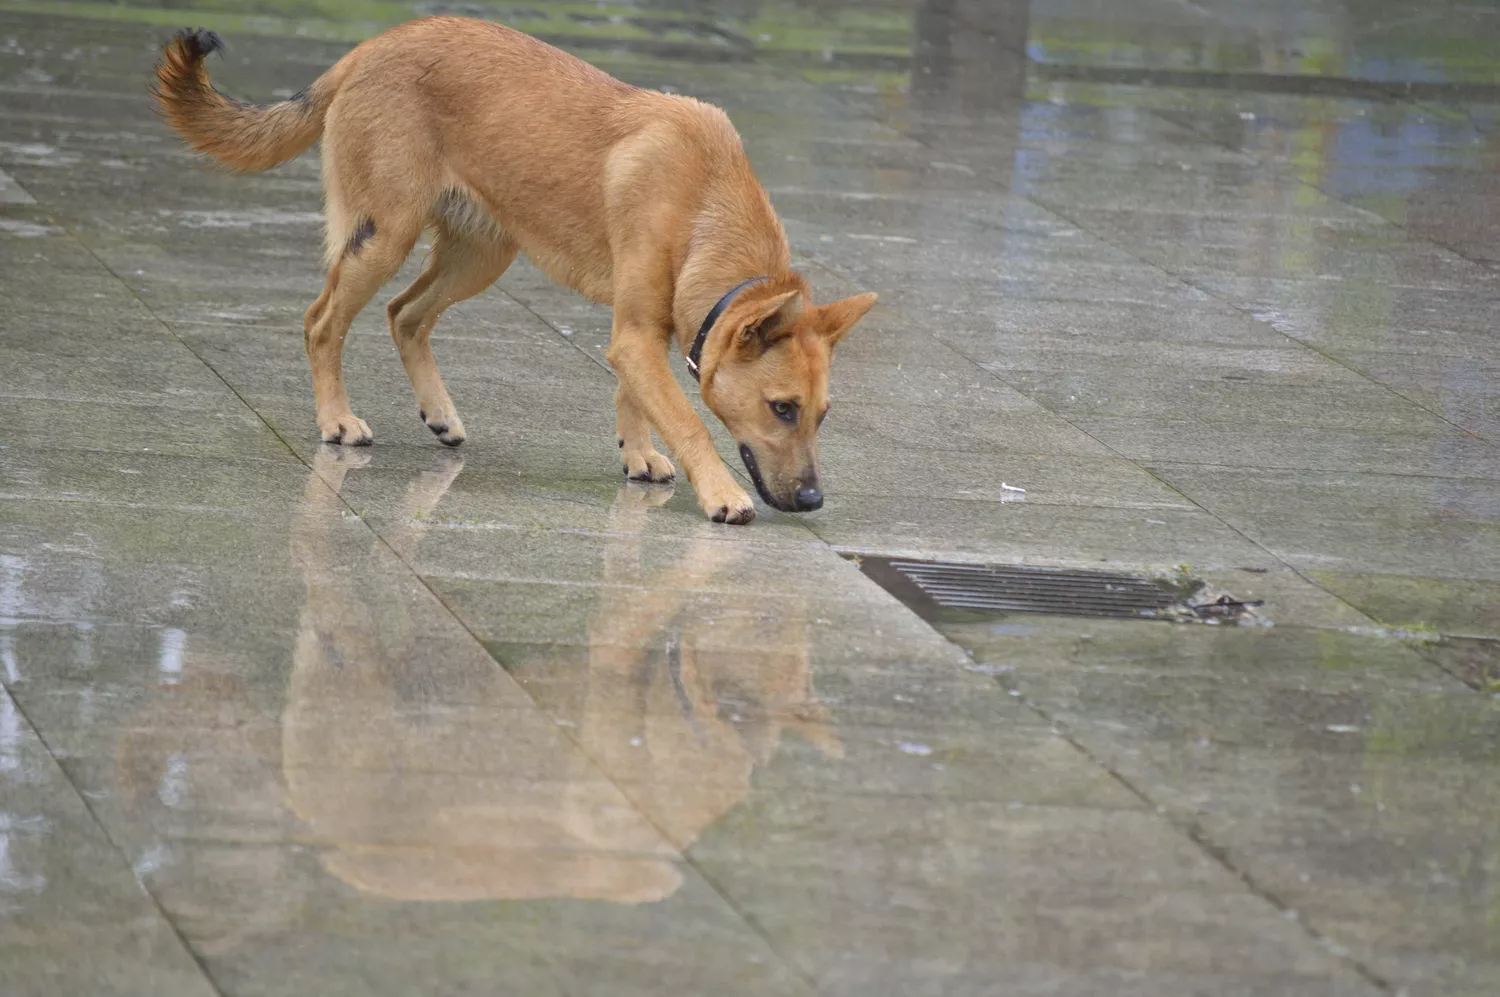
422	414
438	429
722	514
450	443
742	517
620	444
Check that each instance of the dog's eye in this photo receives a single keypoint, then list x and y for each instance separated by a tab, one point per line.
785	411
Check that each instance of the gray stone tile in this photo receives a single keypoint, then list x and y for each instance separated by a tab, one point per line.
1337	247
786	685
165	380
1047	479
1287	363
1034	323
1154	538
74	918
1449	605
122	428
1381	524
1243	657
1459	390
957	428
1280	447
34	472
288	919
1475	661
157	534
1243	191
963	384
652	566
1307	496
972	900
560	613
1339	316
1337	804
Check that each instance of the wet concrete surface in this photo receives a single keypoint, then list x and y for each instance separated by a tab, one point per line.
1212	282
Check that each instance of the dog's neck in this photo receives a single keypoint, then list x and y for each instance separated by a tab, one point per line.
704	347
730	244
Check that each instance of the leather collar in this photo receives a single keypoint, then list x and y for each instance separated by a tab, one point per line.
695	354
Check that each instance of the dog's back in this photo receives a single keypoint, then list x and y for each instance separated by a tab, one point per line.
471	123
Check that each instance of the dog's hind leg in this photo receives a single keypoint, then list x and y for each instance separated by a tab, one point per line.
370	257
460	265
639	458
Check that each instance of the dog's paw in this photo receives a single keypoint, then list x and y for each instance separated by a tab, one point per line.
445	425
347	429
647	465
728	505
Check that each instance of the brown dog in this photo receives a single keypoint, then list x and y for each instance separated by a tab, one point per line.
641	200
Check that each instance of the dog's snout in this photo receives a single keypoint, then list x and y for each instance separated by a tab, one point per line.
809	498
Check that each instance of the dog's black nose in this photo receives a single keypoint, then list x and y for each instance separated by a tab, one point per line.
809	498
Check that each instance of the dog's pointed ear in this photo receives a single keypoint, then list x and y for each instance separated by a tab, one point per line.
836	318
773	319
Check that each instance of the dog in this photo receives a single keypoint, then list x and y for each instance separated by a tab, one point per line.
501	144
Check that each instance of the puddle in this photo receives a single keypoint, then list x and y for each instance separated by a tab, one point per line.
27	230
950	592
242	219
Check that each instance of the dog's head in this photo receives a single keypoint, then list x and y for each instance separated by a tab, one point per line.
765	375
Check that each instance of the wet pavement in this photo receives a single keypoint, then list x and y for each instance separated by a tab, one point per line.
1214	285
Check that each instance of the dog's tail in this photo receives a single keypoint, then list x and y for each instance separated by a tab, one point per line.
247	138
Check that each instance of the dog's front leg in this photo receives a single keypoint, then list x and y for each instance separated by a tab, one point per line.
638	353
633	433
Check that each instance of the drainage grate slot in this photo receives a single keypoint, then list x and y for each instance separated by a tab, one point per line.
938	590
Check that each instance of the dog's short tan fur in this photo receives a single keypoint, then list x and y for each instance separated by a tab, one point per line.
501	144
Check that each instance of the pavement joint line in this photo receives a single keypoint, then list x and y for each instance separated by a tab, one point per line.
114	845
1205	844
553	326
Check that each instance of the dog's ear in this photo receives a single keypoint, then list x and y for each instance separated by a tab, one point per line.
772	320
836	318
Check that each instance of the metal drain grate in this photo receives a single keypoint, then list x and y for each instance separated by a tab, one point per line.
937	589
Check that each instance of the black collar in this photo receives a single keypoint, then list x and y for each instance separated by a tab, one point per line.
695	354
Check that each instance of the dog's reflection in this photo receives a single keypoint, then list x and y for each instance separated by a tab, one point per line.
433	776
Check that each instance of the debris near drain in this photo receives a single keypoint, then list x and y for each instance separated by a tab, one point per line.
942	591
1224	606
